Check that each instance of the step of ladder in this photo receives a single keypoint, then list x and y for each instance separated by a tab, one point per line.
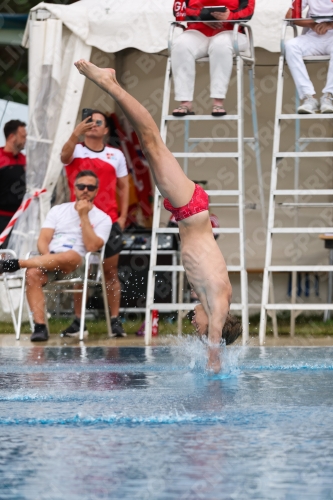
158	268
302	192
194	118
220	192
301	268
301	230
296	116
306	154
315	139
206	155
186	306
198	140
219	230
299	307
305	205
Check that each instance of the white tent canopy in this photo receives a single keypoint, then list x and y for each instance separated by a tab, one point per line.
58	35
110	25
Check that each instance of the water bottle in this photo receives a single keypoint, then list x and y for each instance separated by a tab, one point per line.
179	10
154	328
297	9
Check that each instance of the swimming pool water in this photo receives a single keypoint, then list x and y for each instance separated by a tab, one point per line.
151	423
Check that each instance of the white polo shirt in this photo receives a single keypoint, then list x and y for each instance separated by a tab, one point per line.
318	8
65	221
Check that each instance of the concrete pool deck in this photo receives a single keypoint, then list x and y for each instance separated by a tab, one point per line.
8	340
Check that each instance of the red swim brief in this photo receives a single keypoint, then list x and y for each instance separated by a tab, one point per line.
198	203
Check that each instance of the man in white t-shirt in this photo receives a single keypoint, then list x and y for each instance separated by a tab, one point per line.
317	41
69	231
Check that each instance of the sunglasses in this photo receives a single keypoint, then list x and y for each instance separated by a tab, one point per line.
98	123
82	187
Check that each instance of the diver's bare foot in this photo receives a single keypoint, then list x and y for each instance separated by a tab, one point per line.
103	77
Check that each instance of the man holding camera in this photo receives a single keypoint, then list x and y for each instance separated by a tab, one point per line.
109	165
207	38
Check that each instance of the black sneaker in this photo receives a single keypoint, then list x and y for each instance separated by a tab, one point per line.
117	328
9	266
40	333
73	330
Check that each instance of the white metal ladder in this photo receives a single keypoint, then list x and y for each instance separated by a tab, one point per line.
300	145
249	60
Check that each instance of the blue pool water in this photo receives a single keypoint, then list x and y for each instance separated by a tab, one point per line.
151	423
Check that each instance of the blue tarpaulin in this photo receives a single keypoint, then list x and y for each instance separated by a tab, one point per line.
13	21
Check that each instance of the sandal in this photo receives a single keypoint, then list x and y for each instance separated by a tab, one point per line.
182	111
218	111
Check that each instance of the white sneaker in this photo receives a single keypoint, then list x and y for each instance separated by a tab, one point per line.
326	103
309	106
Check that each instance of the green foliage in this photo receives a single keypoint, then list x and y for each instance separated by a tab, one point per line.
13	58
305	326
98	327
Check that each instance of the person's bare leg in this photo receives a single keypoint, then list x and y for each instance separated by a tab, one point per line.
168	175
36	300
65	261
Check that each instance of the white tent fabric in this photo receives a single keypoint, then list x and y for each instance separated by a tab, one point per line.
55	90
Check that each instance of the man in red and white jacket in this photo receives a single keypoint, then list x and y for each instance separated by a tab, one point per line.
12	172
109	165
203	39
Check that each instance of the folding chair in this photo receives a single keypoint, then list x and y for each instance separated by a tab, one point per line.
90	258
10	282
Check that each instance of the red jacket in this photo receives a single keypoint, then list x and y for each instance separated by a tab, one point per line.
12	182
239	9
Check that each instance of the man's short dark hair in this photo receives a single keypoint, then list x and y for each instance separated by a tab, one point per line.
232	329
86	173
107	124
12	126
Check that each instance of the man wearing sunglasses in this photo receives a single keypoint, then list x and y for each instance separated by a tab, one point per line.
70	230
109	165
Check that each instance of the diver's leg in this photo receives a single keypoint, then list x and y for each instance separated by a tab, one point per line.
168	175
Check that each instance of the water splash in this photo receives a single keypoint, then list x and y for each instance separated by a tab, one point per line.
193	354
